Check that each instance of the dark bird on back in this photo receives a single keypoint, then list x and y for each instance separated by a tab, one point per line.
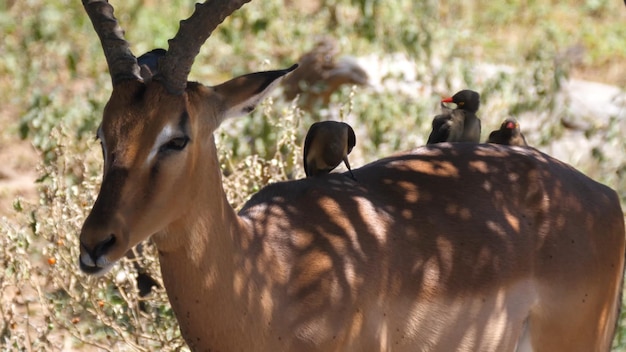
460	124
149	62
326	145
320	73
508	134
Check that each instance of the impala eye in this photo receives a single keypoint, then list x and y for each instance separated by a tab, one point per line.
178	143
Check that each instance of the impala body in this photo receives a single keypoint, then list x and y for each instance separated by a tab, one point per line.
452	247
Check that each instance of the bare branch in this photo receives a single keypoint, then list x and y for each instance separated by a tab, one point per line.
185	46
121	61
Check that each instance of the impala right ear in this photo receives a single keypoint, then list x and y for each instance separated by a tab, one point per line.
242	94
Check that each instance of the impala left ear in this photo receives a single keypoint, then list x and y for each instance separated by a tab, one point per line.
242	94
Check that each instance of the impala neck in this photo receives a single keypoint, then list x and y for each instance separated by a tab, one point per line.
198	253
208	221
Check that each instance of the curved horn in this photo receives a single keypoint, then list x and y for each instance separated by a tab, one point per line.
185	46
121	61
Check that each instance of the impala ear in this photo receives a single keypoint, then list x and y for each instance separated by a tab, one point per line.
242	94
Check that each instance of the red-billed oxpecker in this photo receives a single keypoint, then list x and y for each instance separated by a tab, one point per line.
508	134
326	145
460	124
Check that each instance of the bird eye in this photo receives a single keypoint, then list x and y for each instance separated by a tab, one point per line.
461	103
178	143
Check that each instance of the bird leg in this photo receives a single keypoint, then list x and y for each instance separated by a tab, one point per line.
345	160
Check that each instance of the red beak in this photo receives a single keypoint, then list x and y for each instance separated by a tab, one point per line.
510	125
447	100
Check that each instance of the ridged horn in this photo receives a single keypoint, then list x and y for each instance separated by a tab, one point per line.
121	61
175	66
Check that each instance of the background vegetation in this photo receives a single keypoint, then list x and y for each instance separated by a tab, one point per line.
55	82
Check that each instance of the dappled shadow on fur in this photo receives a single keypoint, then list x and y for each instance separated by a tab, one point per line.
431	246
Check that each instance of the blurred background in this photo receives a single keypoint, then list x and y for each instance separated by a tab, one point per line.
558	67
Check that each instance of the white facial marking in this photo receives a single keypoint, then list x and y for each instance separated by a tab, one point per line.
166	134
86	259
102	263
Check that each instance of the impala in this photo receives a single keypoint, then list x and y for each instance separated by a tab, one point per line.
452	247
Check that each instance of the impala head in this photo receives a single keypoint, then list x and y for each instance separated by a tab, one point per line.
156	132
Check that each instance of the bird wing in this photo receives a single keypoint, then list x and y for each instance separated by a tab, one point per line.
351	138
310	137
495	137
441	129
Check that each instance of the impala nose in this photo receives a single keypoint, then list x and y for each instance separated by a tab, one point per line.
93	260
